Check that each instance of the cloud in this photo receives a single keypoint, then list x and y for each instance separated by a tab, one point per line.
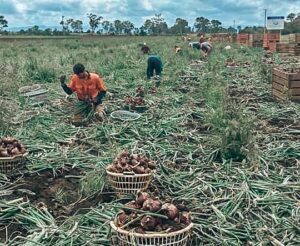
49	12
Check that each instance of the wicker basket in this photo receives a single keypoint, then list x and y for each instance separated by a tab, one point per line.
136	108
11	164
129	183
29	88
128	238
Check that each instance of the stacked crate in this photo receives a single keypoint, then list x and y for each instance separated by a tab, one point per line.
294	38
286	85
243	39
222	37
256	40
290	49
289	44
270	41
285	39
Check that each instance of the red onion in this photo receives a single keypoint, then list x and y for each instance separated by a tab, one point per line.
121	219
148	223
185	218
141	197
152	205
170	210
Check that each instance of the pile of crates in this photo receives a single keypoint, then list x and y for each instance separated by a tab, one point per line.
289	44
243	39
256	40
270	40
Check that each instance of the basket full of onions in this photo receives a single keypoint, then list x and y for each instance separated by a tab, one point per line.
130	173
137	104
149	221
12	153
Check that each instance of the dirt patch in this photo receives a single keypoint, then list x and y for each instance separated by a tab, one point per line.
11	231
60	192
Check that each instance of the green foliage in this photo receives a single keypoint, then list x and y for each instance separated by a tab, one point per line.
38	73
3	22
93	181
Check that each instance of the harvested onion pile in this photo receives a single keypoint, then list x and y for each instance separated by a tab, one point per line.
126	162
137	101
146	214
10	147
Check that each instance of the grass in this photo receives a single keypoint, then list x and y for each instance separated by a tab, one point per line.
222	144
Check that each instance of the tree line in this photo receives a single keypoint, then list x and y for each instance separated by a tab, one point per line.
152	26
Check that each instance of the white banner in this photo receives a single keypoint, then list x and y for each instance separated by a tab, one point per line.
275	22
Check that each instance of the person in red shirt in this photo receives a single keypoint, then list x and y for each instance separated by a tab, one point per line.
89	87
145	49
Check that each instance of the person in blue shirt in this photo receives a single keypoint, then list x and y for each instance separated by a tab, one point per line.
154	65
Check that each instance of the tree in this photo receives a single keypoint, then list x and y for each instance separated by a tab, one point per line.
180	27
148	26
94	21
34	30
215	25
76	25
159	25
65	24
106	26
111	28
118	26
231	29
291	17
3	22
127	27
202	24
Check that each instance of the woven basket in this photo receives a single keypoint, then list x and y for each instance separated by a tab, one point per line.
29	88
11	164
129	183
128	238
139	109
125	115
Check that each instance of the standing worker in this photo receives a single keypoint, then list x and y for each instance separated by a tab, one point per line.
205	47
154	64
89	87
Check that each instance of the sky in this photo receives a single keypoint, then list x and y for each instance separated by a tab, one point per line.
27	13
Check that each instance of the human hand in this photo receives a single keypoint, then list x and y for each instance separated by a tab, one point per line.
62	79
100	113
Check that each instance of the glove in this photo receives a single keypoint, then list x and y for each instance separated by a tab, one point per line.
62	79
99	112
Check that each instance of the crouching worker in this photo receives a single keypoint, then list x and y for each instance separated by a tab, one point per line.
145	49
154	65
177	49
205	47
89	87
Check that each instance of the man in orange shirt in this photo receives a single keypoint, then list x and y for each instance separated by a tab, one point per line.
88	86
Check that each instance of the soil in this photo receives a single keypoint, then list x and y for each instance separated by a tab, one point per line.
60	193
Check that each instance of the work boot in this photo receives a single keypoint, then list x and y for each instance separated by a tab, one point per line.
99	112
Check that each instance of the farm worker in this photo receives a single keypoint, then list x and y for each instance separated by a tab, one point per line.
205	47
154	64
145	49
177	49
89	87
